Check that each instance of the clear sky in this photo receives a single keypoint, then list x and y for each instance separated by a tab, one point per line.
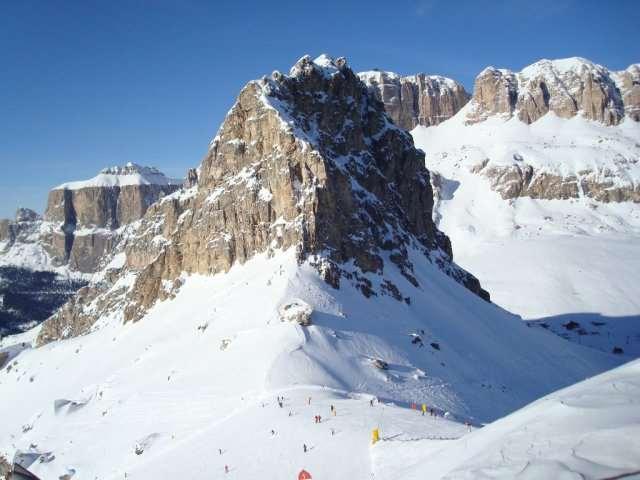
88	84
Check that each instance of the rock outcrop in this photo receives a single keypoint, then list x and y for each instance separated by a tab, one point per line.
297	311
308	160
88	212
567	87
44	261
628	82
22	229
417	99
523	180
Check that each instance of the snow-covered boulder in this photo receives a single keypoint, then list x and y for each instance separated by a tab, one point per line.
297	311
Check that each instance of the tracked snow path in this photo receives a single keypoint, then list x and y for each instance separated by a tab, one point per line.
590	430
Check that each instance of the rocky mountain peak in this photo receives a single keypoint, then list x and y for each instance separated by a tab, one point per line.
131	168
417	99
85	214
567	87
308	160
22	229
26	215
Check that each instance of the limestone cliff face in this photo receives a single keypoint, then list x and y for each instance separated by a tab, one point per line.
417	99
628	83
495	92
88	212
567	87
307	160
524	181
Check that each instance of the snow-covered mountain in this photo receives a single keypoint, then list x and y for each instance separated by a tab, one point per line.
545	212
566	87
88	214
44	260
304	263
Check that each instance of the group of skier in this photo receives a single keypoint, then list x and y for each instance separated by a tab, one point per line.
424	409
318	418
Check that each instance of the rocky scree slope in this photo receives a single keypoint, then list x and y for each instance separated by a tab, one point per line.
416	99
307	160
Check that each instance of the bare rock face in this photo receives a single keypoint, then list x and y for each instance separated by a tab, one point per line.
417	99
522	180
628	82
308	160
192	178
88	212
495	93
567	87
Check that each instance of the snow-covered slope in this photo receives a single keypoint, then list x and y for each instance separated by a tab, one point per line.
192	376
590	430
544	258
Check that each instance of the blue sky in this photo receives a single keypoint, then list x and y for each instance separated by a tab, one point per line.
87	84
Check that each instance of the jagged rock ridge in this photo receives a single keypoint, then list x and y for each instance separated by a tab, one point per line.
307	160
567	87
416	99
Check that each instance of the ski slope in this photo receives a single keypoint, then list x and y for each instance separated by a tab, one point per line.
201	372
546	260
587	431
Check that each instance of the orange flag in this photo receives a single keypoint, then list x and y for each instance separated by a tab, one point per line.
304	475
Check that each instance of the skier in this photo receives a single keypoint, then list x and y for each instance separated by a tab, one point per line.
309	401
304	447
220	451
226	469
371	402
424	409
